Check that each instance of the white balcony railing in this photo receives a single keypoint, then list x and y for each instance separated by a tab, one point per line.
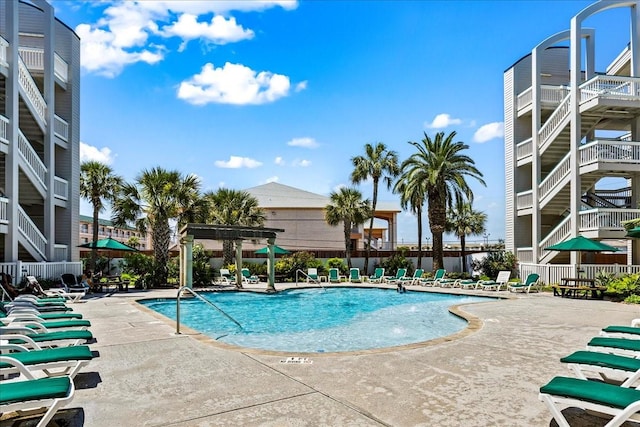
4	205
32	159
61	128
555	176
33	58
31	91
4	124
606	218
60	188
524	98
60	69
31	232
557	235
550	96
611	87
612	151
4	46
524	199
524	149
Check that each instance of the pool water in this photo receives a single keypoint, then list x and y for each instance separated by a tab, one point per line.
317	320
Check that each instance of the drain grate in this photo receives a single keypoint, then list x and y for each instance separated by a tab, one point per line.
297	360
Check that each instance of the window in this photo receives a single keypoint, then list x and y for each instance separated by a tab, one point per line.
84	228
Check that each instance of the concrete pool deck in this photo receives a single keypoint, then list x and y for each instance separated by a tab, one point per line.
146	375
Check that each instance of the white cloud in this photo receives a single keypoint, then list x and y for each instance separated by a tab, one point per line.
129	31
91	153
236	162
488	132
305	142
222	184
233	84
442	121
337	187
279	161
219	31
271	179
301	86
302	163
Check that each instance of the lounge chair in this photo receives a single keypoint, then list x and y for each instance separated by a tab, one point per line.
495	285
37	316
26	338
334	275
226	278
464	284
531	282
249	278
378	275
620	346
400	274
45	326
620	402
354	275
433	281
71	285
51	362
34	395
608	367
312	275
413	280
618	331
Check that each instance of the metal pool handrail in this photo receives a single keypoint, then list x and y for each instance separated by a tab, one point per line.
195	294
317	281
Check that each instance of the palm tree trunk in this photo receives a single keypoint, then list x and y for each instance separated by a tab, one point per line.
462	253
161	240
373	210
347	242
419	212
437	222
227	251
94	251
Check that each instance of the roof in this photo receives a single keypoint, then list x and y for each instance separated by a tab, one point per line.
276	195
106	222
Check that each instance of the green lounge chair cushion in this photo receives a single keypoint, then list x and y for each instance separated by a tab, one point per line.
592	391
43	388
621	343
605	360
59	354
623	329
66	323
51	316
58	335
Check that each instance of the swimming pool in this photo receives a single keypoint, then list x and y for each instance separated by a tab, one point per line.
317	320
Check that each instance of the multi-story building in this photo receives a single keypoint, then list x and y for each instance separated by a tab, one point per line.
569	129
39	134
106	228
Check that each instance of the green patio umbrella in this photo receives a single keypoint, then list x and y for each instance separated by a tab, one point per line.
633	232
108	245
276	250
581	244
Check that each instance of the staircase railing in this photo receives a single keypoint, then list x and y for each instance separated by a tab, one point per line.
558	173
558	234
206	301
31	232
31	91
555	121
32	159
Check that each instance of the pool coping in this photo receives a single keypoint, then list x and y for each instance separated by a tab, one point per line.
474	324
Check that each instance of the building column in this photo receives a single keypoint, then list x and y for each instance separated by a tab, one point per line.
271	263
188	255
635	42
536	227
13	114
574	141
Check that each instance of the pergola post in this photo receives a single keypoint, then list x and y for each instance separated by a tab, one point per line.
238	263
188	250
271	264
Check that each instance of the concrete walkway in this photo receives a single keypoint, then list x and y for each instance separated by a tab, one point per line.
146	375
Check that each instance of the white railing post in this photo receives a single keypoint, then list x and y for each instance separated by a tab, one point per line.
31	91
32	159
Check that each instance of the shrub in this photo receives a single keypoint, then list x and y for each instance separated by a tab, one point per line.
337	263
396	261
624	287
202	271
495	262
288	265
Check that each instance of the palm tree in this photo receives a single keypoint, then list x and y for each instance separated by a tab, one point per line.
233	207
156	198
442	168
348	208
412	196
98	184
463	221
377	163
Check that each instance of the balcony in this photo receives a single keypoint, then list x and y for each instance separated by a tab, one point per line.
34	60
550	98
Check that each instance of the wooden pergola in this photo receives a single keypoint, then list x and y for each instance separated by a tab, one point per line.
237	234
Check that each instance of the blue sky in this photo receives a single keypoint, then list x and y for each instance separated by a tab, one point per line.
242	93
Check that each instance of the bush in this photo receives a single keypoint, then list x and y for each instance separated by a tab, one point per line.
624	287
202	271
288	265
337	263
495	262
396	261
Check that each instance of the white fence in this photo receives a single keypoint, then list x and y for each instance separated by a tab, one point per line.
553	273
42	270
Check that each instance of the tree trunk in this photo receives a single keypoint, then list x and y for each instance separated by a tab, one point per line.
94	236
437	222
462	252
347	242
227	252
161	240
373	210
419	212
